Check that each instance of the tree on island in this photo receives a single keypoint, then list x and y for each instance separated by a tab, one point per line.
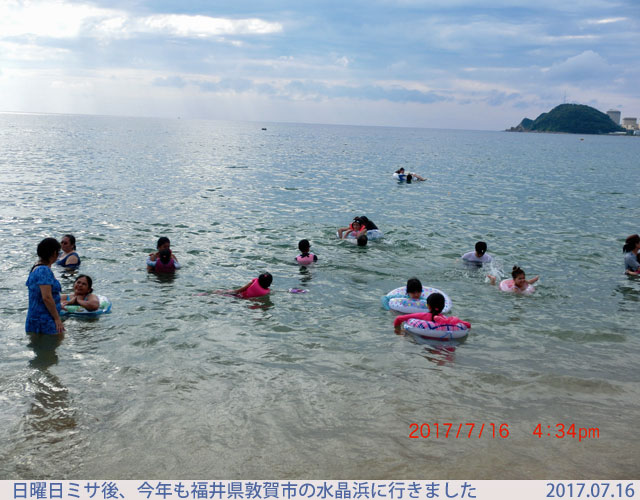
570	119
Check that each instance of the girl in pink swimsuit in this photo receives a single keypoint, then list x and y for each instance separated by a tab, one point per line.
257	287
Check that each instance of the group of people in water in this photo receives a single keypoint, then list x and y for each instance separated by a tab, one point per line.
46	302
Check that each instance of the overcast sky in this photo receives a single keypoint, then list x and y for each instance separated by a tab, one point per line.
463	64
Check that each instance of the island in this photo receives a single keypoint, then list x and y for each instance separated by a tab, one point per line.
570	119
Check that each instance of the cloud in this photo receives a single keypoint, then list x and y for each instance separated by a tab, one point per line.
584	67
169	81
607	20
63	20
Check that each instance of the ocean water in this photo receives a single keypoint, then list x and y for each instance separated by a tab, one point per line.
317	385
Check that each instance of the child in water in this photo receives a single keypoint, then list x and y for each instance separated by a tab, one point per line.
165	263
478	257
435	303
362	240
163	244
518	284
257	287
414	288
305	258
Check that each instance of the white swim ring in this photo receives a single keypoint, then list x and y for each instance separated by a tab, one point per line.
433	330
398	300
399	177
509	286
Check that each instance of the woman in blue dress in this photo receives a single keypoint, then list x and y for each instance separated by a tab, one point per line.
43	315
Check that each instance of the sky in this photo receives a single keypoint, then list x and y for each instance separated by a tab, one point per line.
455	64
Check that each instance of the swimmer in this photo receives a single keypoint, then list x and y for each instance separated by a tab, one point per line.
631	248
355	227
257	287
163	244
520	283
165	263
414	288
362	240
305	258
435	303
69	257
478	257
82	295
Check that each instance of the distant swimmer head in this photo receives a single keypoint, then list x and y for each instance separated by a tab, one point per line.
264	280
400	171
362	240
164	255
435	302
414	288
631	243
481	248
163	242
304	246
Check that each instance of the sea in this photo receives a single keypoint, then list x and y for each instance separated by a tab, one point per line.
177	384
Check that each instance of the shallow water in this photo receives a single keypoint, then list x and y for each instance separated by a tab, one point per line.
317	385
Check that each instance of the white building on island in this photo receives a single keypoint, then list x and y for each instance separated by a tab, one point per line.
614	114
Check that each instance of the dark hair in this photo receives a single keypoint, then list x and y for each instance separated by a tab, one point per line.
517	271
362	240
89	281
409	178
630	243
414	285
364	220
435	301
304	245
400	170
264	280
47	248
481	247
162	240
72	239
165	256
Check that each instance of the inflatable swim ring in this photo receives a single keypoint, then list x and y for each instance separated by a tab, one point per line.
372	234
399	177
103	308
434	330
508	286
398	300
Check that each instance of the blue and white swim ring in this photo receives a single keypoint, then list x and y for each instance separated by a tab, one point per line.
399	300
103	308
399	177
433	330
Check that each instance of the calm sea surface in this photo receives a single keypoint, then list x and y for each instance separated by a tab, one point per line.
317	385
